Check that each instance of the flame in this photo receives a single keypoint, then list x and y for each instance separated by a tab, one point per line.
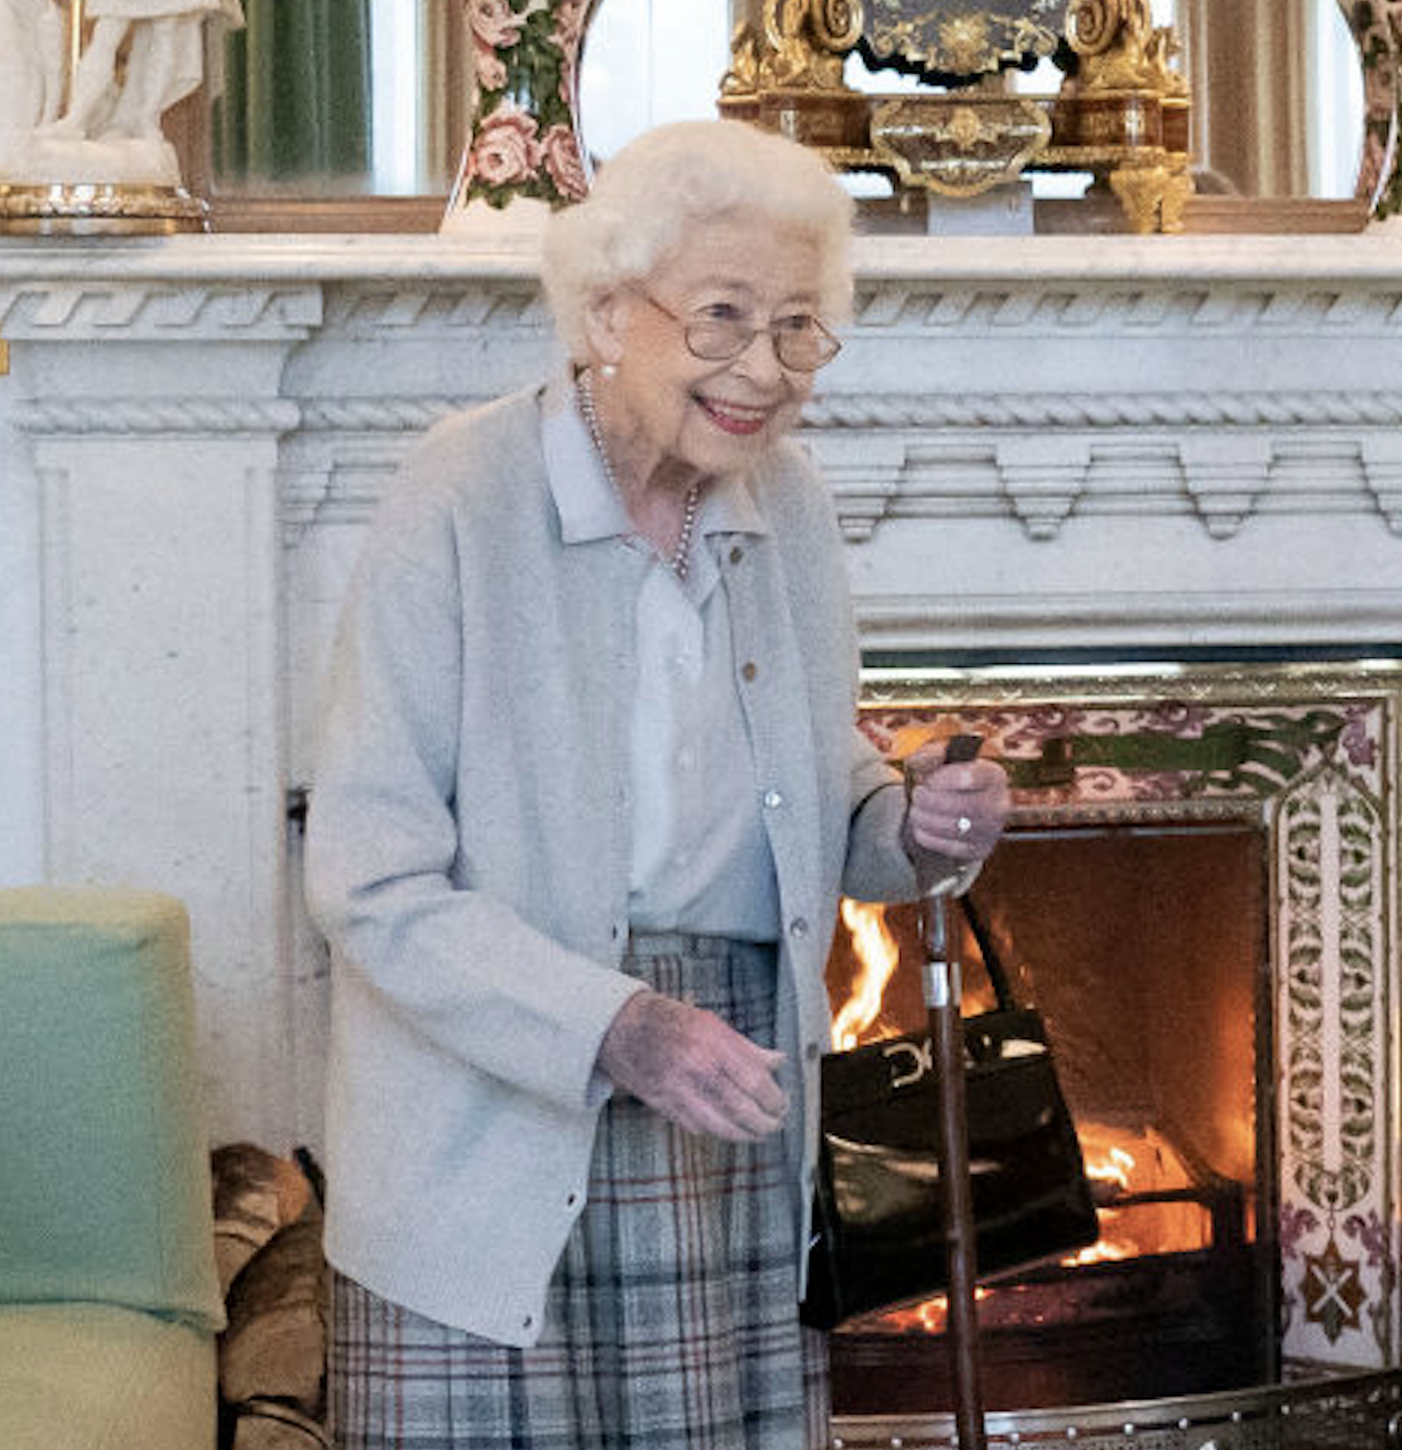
877	958
1122	1162
1116	1167
929	1317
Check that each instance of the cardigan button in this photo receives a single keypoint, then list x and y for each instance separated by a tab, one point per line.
798	926
749	669
736	554
773	799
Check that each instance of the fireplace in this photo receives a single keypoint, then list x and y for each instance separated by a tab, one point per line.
1036	446
1191	891
1144	946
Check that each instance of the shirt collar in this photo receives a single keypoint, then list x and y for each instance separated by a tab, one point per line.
588	506
587	503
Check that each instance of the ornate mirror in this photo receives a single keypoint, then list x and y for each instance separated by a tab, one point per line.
1289	101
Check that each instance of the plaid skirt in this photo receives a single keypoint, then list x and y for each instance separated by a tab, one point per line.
671	1321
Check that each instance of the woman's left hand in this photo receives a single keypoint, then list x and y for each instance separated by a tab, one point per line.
956	810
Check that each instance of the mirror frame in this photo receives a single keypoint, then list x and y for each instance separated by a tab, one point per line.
1376	26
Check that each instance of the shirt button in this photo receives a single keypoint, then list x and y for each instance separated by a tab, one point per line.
528	1322
812	1051
773	799
798	927
736	554
749	669
571	1200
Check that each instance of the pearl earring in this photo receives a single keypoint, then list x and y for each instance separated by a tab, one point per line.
608	371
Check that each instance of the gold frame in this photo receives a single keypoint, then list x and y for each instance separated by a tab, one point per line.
1124	117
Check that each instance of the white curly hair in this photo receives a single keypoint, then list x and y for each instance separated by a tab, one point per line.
652	193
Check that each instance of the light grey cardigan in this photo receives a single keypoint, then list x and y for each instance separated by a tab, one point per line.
468	852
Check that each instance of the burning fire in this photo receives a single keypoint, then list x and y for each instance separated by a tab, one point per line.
877	959
1126	1165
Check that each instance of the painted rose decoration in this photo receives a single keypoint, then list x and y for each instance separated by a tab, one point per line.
1377	27
524	139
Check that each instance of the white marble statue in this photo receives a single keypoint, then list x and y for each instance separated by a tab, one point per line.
31	64
165	62
139	59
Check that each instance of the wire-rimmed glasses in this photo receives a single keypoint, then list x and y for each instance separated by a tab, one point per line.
801	342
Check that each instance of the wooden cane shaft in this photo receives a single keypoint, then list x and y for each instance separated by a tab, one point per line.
962	1335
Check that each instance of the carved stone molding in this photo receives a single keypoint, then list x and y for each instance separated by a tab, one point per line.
1382	466
1168	409
156	417
161	310
1063	307
1225	477
378	415
331	493
444	304
1042	479
1169	619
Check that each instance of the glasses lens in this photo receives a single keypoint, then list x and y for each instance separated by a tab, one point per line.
716	339
807	347
801	342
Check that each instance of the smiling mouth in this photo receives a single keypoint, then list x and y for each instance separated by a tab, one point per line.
735	418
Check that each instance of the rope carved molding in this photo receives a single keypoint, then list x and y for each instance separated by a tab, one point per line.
156	417
1105	410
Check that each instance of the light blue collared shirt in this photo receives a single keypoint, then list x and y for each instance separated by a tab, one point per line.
701	859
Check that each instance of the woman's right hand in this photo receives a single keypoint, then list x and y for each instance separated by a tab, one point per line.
693	1068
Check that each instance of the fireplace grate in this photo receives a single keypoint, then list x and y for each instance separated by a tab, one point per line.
1357	1412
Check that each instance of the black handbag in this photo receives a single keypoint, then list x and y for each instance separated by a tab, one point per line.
878	1228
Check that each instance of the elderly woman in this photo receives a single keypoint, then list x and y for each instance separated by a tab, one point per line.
590	788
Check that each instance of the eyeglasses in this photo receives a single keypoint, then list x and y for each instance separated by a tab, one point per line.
801	342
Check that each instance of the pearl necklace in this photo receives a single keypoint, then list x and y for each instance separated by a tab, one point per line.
680	560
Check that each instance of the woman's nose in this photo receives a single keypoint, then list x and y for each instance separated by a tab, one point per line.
759	358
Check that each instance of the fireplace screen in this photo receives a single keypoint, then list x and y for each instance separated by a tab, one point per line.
1197	891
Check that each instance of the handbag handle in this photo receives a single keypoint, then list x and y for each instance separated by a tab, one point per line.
992	962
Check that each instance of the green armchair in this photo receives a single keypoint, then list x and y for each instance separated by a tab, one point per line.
109	1300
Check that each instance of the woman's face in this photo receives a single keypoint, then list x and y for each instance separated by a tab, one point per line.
679	413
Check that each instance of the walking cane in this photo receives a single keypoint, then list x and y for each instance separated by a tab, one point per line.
942	990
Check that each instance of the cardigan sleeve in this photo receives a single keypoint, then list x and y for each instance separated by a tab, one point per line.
455	966
877	866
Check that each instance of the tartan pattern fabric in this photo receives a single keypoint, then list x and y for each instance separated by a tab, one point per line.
671	1321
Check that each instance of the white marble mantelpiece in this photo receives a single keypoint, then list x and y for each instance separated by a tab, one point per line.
1035	444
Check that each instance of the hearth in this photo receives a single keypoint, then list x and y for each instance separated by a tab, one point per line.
1156	1033
1195	892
